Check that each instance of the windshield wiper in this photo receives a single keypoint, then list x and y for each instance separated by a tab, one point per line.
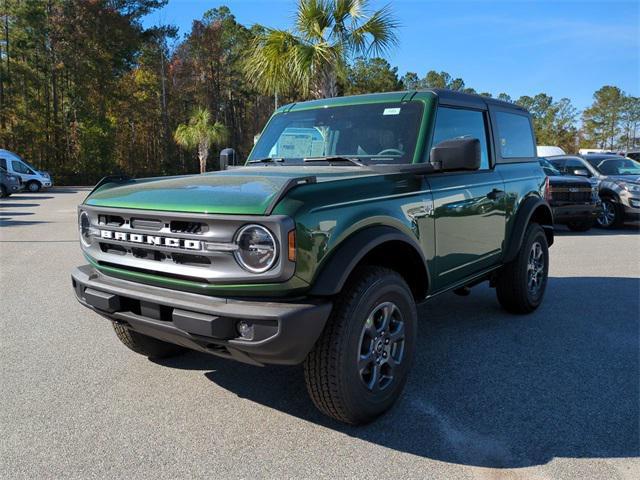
354	161
267	160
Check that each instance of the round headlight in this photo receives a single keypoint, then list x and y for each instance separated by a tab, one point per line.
257	249
85	229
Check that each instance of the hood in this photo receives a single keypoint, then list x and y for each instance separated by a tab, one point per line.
568	180
625	178
242	191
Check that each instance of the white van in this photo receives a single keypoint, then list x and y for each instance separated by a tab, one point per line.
549	151
596	151
32	179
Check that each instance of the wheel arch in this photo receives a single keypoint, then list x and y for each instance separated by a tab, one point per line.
532	209
609	193
377	245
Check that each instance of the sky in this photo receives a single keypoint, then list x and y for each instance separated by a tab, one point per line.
565	48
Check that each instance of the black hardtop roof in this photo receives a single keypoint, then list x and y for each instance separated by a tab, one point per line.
454	97
445	97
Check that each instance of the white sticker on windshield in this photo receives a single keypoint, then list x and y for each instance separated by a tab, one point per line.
391	111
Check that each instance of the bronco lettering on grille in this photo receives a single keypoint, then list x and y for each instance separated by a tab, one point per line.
151	240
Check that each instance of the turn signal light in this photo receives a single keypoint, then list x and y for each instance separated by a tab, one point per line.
291	237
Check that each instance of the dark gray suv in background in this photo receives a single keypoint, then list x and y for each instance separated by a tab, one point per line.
9	183
618	180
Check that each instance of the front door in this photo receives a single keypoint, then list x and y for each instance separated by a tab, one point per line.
469	207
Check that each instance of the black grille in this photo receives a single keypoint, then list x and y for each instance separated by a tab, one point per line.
178	226
192	260
111	220
115	249
567	196
562	192
147	224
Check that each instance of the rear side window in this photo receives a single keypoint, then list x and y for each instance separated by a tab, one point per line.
452	123
516	140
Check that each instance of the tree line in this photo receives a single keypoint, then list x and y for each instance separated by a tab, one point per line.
86	90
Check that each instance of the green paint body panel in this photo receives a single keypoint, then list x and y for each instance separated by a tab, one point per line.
460	229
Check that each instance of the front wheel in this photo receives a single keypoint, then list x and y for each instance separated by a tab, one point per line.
611	214
3	192
359	365
522	282
33	187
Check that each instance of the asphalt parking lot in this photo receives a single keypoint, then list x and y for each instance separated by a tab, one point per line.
552	395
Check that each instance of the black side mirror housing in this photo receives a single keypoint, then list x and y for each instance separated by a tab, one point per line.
456	154
227	157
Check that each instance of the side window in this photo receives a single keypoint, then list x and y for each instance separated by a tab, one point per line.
559	164
20	167
452	123
515	138
3	163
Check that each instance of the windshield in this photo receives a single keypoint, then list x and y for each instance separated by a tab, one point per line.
548	168
380	133
616	166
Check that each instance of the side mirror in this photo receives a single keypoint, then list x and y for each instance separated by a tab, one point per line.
227	157
580	172
457	154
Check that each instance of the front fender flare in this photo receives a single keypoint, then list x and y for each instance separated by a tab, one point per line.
348	254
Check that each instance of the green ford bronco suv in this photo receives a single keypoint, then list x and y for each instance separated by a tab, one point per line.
348	212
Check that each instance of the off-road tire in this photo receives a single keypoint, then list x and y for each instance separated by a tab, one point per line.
3	192
144	345
512	285
333	378
581	226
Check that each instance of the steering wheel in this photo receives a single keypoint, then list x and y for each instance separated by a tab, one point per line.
390	151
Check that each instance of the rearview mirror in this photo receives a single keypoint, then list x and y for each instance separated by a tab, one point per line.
456	154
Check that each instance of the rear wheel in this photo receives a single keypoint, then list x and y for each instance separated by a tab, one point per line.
522	282
611	214
359	365
144	345
581	226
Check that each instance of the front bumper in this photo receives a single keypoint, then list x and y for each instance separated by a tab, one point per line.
575	212
284	333
632	209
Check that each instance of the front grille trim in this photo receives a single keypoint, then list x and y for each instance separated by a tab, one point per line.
217	266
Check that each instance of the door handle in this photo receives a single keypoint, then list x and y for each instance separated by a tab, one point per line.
495	194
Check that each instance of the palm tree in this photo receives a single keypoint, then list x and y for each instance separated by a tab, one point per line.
201	133
327	34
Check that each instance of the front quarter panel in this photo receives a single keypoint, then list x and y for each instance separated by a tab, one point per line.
326	215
